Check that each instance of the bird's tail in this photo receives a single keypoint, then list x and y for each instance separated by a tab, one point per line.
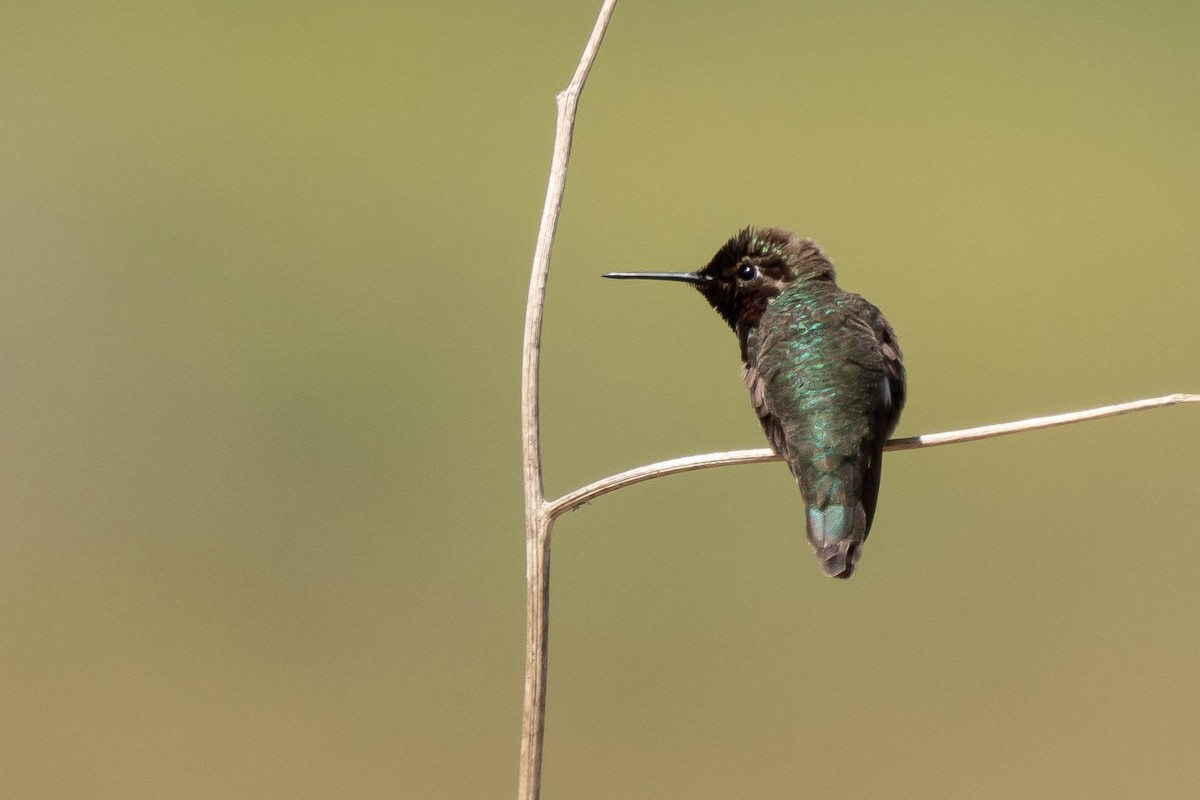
836	534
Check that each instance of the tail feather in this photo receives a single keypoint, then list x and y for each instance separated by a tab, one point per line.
836	534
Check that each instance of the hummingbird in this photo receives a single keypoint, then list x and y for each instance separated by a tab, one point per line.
824	371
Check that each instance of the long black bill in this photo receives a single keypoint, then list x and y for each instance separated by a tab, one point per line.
685	277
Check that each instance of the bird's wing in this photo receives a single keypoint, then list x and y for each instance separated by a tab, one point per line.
888	407
753	343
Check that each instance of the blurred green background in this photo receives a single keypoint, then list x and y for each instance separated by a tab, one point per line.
262	277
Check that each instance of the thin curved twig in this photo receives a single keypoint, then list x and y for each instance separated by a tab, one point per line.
586	494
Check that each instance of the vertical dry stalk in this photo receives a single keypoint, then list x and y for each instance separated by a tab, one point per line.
538	522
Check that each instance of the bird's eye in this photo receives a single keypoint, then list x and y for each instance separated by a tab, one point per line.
747	272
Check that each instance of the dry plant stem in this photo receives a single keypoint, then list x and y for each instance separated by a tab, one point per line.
586	494
538	520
